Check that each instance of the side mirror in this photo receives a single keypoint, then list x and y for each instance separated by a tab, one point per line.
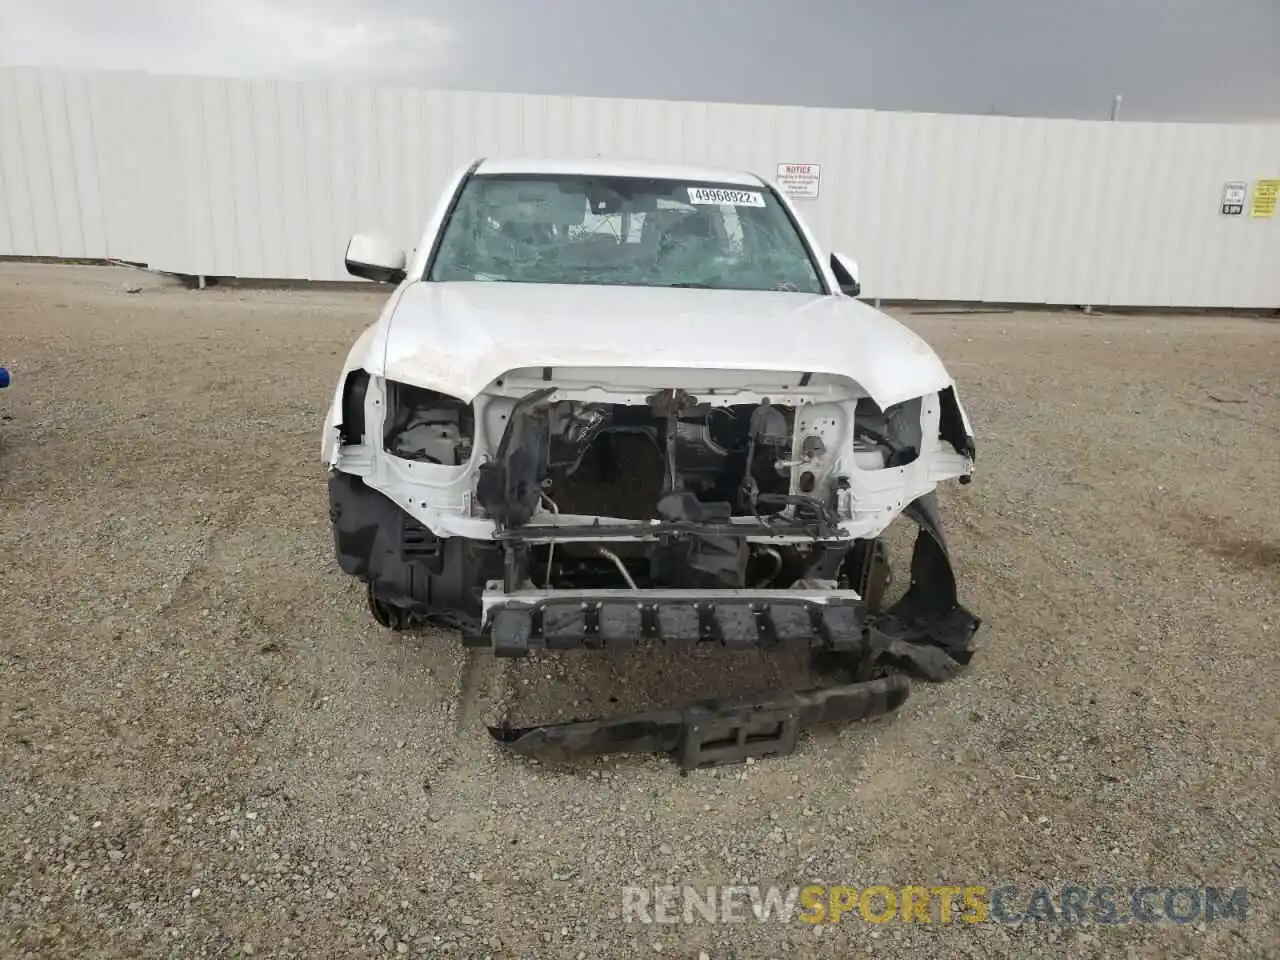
846	271
375	258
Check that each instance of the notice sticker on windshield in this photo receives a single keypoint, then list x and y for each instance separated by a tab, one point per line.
717	195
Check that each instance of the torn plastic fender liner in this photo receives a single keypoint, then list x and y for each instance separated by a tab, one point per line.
711	732
928	629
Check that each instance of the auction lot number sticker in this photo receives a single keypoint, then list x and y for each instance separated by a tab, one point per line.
716	195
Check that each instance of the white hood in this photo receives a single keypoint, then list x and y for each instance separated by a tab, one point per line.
457	338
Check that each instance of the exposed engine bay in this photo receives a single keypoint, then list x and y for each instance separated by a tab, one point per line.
676	461
715	472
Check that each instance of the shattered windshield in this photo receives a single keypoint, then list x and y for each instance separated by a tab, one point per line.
623	230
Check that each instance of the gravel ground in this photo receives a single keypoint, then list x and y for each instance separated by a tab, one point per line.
211	750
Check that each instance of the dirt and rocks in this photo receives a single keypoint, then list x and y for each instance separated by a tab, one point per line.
209	749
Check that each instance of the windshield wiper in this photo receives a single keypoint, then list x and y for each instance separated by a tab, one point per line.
693	285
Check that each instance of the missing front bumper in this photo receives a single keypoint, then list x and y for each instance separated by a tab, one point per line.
926	634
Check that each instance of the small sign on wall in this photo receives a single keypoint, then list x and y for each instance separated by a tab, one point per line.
1264	198
1233	195
800	181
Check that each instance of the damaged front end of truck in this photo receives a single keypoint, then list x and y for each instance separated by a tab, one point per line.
576	508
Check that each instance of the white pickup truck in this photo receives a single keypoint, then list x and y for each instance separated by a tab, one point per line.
617	403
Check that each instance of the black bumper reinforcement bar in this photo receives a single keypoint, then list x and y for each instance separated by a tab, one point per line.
518	623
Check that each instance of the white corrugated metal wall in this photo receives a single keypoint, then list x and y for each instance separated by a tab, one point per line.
269	179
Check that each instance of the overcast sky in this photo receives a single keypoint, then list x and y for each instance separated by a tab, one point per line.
1170	59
